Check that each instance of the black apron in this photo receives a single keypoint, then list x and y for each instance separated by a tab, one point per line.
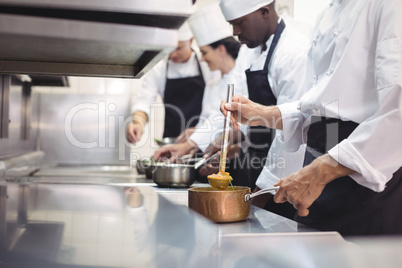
344	205
249	165
183	102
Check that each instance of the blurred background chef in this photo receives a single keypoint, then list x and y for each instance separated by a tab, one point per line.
180	80
222	52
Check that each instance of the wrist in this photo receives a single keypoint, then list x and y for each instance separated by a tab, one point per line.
329	169
139	120
140	117
190	144
273	117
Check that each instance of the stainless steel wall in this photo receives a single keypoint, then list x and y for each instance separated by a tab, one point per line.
14	144
84	129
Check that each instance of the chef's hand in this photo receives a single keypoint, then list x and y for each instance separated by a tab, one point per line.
172	152
247	112
302	188
135	129
134	132
185	135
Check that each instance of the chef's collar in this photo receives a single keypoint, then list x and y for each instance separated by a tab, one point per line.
269	41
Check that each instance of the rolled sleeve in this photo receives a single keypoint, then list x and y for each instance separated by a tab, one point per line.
373	149
365	175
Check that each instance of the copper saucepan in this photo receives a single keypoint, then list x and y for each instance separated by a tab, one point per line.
229	205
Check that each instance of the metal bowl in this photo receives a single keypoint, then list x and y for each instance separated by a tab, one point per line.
173	175
220	205
165	141
144	165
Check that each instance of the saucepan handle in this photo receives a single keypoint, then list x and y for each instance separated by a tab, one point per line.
248	197
203	161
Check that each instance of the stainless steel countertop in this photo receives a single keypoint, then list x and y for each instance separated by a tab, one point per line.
59	224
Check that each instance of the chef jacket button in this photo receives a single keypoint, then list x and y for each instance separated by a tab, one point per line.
336	33
298	106
329	73
315	79
314	42
331	4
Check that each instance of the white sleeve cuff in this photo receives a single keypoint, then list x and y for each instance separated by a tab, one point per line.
292	121
365	175
266	179
141	107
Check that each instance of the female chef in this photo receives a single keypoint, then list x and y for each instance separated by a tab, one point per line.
222	52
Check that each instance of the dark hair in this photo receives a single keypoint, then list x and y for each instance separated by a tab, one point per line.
232	46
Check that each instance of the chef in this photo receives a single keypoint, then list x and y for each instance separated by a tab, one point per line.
276	76
180	80
351	119
221	52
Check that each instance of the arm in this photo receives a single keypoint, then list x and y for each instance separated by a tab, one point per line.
185	135
172	152
152	84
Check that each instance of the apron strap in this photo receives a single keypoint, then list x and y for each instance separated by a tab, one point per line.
198	65
278	32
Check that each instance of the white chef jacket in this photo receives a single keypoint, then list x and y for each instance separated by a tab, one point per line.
211	119
354	72
154	81
286	76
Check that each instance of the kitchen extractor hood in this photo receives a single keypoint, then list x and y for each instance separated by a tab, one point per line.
97	38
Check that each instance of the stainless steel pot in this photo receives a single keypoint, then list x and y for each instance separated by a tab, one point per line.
229	205
144	165
173	175
148	172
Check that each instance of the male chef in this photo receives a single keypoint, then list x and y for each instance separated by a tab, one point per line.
351	120
180	80
276	76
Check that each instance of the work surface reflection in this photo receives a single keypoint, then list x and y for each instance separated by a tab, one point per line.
88	225
103	226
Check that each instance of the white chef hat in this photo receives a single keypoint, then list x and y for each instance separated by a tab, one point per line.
234	9
209	25
184	32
